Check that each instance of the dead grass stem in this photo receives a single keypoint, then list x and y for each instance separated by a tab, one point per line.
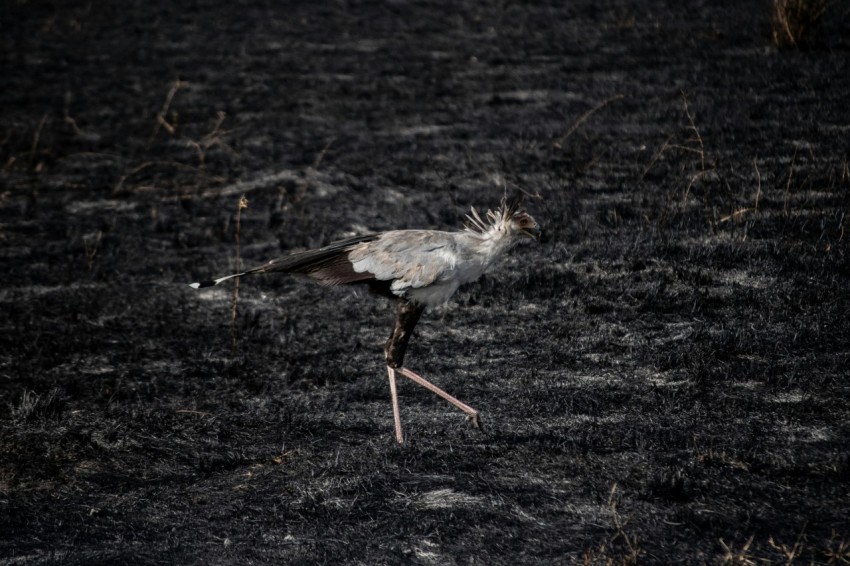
699	150
66	116
311	172
790	553
837	551
631	551
123	179
234	303
793	20
559	142
787	194
693	144
91	250
161	120
211	139
36	138
738	214
739	557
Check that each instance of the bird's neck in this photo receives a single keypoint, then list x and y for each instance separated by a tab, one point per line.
493	242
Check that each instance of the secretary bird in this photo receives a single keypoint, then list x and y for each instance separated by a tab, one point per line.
418	268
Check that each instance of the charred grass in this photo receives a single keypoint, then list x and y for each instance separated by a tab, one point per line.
663	380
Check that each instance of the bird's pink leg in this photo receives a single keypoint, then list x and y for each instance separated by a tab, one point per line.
407	314
396	415
473	414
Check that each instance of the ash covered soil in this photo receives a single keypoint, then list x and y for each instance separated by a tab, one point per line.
663	380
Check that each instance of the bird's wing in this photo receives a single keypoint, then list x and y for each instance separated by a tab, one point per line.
327	264
408	258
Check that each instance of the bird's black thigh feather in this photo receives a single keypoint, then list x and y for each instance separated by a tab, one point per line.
406	316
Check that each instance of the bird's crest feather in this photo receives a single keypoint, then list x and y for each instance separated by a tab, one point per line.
495	218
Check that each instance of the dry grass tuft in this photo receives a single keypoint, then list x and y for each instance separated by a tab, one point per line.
792	20
738	557
839	553
620	548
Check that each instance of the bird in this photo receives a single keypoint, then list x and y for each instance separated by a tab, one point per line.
418	269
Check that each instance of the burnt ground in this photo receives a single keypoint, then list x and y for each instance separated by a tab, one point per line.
664	380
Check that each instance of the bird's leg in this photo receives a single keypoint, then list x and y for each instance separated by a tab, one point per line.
407	315
473	414
399	436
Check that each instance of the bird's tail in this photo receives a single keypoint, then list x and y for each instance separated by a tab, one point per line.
213	282
312	262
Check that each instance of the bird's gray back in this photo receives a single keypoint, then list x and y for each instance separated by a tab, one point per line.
415	259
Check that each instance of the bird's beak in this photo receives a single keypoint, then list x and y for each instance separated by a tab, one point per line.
533	232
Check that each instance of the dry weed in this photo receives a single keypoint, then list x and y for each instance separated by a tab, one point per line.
631	551
793	20
234	304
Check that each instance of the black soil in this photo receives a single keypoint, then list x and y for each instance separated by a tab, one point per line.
664	380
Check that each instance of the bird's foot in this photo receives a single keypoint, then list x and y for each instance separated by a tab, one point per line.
476	421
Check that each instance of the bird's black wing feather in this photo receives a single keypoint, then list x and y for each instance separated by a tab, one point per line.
328	264
308	260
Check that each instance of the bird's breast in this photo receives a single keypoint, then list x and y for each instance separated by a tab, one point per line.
433	295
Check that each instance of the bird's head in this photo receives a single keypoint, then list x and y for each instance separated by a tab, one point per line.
510	220
518	220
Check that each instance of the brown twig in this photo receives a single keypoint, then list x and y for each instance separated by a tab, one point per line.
234	333
311	172
787	193
737	214
657	156
691	182
703	170
161	121
211	139
698	137
67	116
793	19
35	139
758	186
559	142
91	252
631	541
121	180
